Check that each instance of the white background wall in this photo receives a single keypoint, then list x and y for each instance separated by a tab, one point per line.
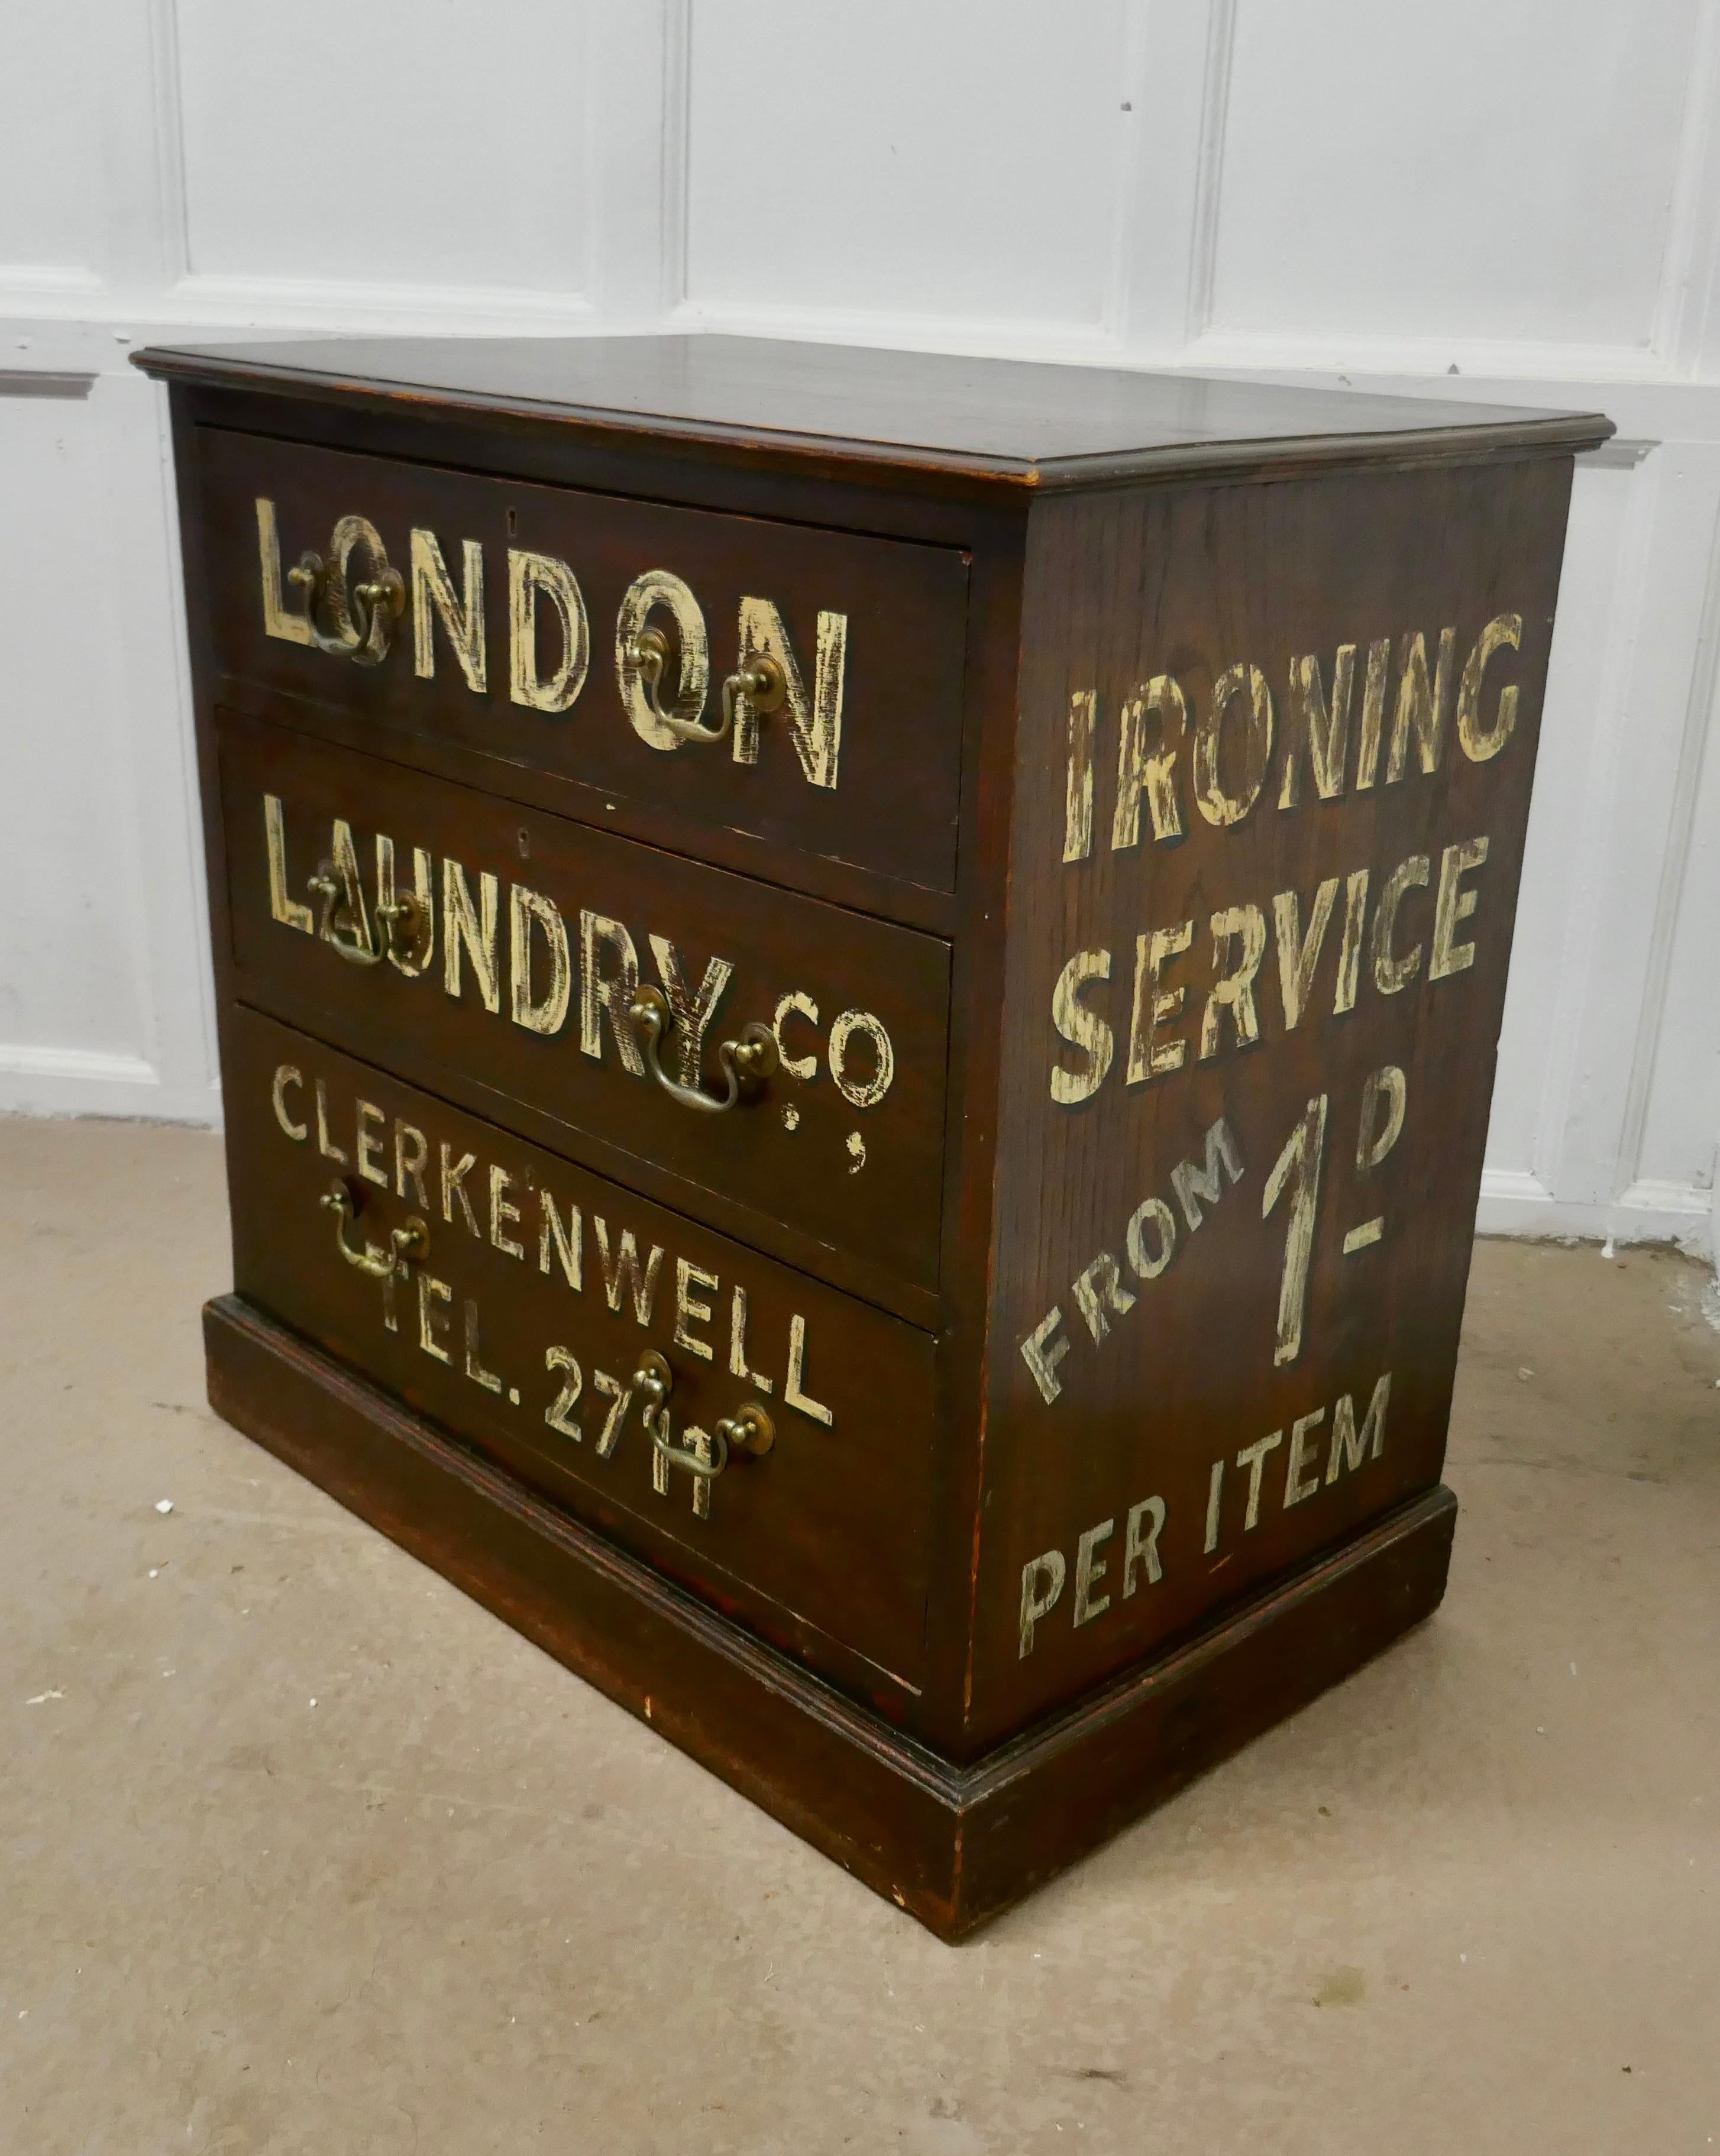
1517	199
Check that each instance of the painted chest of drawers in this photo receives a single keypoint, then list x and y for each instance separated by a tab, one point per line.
857	998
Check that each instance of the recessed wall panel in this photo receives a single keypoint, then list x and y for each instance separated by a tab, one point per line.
956	160
49	138
436	145
1467	171
70	942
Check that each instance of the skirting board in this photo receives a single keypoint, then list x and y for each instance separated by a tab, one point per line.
81	1081
953	1845
1516	1203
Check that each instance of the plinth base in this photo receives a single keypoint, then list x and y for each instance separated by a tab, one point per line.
951	1844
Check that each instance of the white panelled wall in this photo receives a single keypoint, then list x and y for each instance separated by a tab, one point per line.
1498	199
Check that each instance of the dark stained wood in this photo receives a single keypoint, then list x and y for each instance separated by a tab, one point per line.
777	1547
953	1846
1188	582
878	1206
903	606
1101	530
1007	420
673	831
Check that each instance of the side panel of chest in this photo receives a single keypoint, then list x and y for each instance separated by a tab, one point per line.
516	602
533	932
1261	921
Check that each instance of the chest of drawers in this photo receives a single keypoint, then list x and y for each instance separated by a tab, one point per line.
857	1000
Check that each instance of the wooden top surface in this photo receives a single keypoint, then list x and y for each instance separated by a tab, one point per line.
1010	420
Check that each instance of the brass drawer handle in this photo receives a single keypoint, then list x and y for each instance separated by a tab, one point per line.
363	614
406	1244
401	923
761	680
749	1431
753	1055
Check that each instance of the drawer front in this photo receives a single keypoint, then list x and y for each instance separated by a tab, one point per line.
535	929
522	1323
517	599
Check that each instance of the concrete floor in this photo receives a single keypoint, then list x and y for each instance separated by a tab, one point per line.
305	1853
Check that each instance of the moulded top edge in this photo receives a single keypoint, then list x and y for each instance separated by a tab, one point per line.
1010	423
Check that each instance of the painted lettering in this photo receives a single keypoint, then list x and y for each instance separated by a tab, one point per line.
433	598
1078	784
690	647
533	578
1480	743
815	721
1084	1029
1142	769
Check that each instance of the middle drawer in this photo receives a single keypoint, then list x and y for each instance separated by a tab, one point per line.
510	978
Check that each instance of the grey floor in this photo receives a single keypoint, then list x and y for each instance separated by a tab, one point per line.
304	1852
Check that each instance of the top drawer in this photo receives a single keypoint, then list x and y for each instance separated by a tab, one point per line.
517	604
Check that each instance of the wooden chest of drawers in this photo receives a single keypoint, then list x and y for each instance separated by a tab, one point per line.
857	998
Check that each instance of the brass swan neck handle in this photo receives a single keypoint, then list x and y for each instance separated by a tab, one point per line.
401	922
407	1245
748	1433
749	1057
363	614
759	679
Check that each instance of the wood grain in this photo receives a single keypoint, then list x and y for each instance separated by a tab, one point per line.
953	1846
776	1549
1188	583
1147	1323
783	1152
1002	422
903	606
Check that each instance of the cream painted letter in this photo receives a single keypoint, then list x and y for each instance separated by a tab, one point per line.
861	1092
816	726
1379	654
1078	782
1350	1447
1138	772
1165	1226
471	928
598	994
795	1392
1214	803
284	1076
289	627
1421	704
1099	1292
1041	1584
658	588
1299	955
1234	991
290	912
1082	1029
1325	731
548	1015
1391	974
1142	1550
692	1013
433	594
1089	1569
1452	907
529	575
1149	1057
805	1068
1042	1351
1503	633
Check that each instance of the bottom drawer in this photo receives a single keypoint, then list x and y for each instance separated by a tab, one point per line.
521	1326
